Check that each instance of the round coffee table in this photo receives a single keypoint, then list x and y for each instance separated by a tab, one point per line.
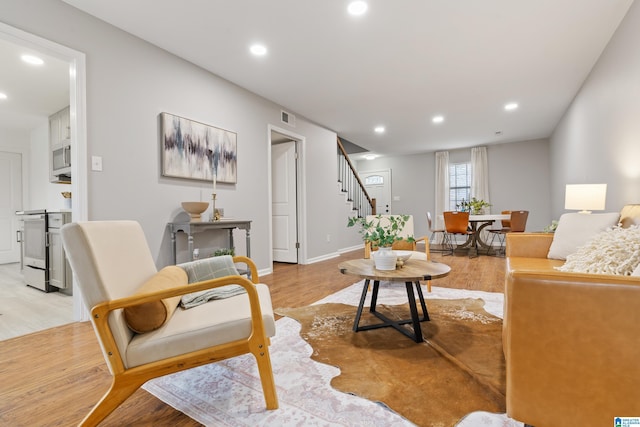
413	271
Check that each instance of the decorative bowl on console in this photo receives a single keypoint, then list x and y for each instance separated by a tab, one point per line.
195	209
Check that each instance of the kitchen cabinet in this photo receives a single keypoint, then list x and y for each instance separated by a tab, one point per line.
60	146
59	270
59	128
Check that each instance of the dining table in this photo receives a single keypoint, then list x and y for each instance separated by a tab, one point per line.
477	223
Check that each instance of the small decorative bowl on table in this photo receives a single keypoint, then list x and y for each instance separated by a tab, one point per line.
403	257
195	209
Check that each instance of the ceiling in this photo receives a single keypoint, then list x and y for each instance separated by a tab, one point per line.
33	92
398	65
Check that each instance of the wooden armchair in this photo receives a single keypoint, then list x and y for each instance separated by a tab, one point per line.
111	260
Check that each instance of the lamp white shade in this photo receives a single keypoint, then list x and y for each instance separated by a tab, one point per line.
585	197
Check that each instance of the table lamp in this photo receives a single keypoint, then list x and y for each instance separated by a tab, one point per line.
585	197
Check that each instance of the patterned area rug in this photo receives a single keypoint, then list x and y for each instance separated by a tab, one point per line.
229	393
457	370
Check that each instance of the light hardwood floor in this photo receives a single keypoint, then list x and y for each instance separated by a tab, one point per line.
54	377
24	309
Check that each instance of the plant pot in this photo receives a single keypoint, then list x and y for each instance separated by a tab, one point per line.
384	259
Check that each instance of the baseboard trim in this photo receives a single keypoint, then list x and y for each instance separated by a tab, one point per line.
323	258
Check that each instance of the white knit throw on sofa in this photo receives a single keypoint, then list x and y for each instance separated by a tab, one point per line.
614	251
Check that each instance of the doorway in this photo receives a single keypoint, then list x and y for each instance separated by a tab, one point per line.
10	202
286	194
378	186
77	104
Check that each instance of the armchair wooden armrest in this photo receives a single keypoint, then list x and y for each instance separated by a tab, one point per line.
100	312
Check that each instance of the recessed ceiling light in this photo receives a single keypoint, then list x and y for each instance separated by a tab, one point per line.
511	106
370	156
379	129
437	119
357	8
258	50
33	60
3	95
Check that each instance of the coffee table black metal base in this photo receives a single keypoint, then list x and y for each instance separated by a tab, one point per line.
398	325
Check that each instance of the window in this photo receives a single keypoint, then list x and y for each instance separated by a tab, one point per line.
374	180
459	183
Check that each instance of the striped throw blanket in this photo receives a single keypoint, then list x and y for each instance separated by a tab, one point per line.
207	269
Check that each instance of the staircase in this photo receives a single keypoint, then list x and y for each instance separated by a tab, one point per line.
350	184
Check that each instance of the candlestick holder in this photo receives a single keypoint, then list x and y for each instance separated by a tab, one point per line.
215	215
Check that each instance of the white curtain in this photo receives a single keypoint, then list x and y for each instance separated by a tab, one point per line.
479	174
442	187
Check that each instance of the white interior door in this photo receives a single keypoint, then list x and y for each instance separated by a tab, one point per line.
284	202
10	202
378	186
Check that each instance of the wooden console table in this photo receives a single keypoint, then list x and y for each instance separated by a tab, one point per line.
191	228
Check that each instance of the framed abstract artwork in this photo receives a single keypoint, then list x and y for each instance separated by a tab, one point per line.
195	150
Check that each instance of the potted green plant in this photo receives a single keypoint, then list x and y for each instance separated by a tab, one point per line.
473	206
551	228
224	251
382	232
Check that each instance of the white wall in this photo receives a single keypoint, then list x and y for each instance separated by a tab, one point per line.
38	192
15	141
598	139
42	194
412	181
129	83
518	179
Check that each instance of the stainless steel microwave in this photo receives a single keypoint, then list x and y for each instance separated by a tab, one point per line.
61	160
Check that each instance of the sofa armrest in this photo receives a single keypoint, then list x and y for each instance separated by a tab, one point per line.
528	245
571	347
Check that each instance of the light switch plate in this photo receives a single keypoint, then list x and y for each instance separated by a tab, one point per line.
96	163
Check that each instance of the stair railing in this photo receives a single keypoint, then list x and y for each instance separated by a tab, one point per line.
351	184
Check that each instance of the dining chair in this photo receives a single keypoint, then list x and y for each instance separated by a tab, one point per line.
516	224
434	232
142	331
505	226
455	223
506	223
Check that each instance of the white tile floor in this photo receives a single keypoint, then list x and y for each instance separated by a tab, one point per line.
24	309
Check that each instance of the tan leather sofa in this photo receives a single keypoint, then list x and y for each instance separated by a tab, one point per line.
571	340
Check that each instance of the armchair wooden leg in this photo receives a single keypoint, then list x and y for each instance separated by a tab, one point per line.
266	377
119	391
428	285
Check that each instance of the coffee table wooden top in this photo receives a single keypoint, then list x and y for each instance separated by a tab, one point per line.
413	270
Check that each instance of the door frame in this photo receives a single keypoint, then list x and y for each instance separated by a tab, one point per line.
288	147
386	186
22	154
78	123
301	191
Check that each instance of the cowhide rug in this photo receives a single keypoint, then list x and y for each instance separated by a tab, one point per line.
459	368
